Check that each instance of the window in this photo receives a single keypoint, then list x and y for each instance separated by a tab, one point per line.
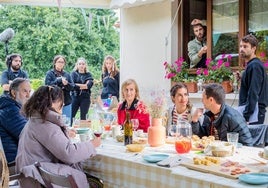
258	24
227	22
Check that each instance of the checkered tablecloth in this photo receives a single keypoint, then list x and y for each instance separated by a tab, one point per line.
121	169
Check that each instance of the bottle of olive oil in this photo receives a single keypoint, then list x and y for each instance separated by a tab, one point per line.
128	130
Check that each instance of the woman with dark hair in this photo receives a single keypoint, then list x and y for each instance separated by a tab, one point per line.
110	78
57	76
182	108
45	139
83	81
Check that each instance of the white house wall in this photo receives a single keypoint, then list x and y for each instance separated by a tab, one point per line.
142	45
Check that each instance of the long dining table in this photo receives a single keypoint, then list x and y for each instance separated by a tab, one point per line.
119	168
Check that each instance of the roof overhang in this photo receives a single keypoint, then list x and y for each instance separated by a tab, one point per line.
113	4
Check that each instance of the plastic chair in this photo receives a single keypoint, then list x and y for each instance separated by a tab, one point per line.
51	178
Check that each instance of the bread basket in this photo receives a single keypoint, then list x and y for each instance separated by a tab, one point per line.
220	149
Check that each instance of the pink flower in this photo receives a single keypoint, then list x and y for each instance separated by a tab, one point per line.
227	64
262	54
205	72
208	60
198	71
220	62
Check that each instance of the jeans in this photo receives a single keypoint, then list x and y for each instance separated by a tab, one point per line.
81	102
67	110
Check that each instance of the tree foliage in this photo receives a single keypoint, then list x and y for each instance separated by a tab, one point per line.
43	32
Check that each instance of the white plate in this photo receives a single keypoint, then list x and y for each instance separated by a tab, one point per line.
254	178
154	158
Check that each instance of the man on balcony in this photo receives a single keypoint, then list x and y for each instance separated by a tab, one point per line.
197	49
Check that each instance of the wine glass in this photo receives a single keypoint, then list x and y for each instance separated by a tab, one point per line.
135	124
97	130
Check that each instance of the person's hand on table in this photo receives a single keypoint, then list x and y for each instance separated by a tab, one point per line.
96	141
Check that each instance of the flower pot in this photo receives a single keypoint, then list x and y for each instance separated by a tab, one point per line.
156	133
227	86
191	86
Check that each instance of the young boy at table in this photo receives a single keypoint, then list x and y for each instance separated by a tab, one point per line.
221	118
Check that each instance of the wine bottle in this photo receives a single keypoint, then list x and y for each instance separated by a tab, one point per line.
128	131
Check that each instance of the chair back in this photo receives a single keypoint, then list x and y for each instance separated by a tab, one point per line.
4	171
51	179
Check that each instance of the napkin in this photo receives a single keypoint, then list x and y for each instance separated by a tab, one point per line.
170	162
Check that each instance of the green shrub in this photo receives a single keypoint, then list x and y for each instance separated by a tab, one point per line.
36	83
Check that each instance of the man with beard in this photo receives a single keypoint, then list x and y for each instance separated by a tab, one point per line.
254	83
14	63
197	49
11	120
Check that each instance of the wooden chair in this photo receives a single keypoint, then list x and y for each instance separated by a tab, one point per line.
7	170
51	178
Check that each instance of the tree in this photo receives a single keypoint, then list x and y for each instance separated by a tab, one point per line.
42	32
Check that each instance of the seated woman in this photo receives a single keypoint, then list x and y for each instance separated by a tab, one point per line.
45	139
182	109
131	96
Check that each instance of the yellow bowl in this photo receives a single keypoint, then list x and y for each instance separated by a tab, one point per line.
135	147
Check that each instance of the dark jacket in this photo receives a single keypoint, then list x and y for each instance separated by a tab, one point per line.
254	87
11	124
110	86
52	78
8	75
229	120
82	78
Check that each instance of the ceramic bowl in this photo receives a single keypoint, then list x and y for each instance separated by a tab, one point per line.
81	130
135	147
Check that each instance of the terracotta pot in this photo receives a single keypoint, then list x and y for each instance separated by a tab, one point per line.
191	86
156	133
227	86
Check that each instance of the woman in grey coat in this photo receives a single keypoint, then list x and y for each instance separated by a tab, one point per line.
45	139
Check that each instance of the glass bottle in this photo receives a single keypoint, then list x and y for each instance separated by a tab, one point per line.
128	130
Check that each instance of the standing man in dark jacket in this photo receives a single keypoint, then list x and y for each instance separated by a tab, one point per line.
221	118
14	63
254	83
11	120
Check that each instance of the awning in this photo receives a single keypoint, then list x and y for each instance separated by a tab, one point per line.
64	3
130	3
113	4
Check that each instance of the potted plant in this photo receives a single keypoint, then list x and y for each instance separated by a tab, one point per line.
219	72
178	72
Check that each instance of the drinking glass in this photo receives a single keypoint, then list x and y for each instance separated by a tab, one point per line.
135	124
232	137
173	130
97	130
76	123
66	120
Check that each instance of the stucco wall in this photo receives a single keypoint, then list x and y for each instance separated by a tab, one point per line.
142	49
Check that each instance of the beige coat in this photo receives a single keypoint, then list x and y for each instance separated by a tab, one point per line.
48	142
